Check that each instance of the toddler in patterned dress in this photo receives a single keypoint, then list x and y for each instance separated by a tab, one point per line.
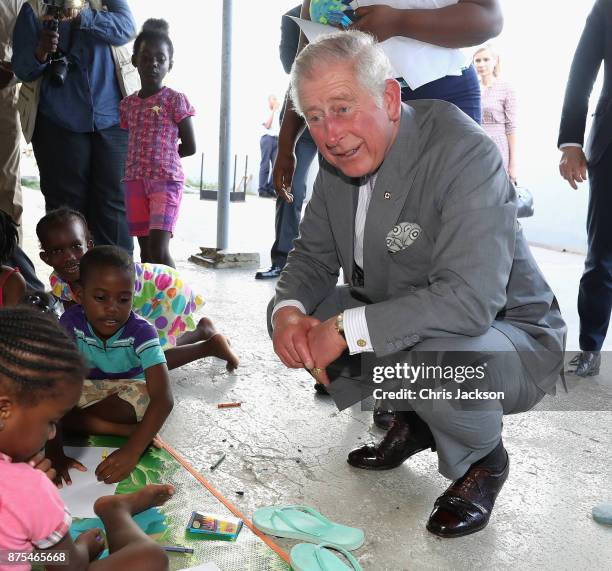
156	118
160	294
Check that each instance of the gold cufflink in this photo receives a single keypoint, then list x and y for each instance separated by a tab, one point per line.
361	342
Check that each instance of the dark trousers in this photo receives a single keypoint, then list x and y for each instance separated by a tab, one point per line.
462	90
20	260
288	216
84	171
269	146
595	292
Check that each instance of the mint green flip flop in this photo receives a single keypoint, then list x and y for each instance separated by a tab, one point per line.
309	557
306	524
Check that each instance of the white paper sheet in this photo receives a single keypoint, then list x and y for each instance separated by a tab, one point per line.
203	567
85	489
417	62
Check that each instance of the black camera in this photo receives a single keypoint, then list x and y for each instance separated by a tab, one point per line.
56	10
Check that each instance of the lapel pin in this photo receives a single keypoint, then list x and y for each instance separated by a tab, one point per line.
387	195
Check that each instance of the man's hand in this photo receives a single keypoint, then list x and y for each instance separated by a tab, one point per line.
48	42
326	345
573	166
118	465
290	337
41	462
377	20
282	174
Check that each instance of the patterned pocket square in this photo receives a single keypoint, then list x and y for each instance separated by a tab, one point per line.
402	236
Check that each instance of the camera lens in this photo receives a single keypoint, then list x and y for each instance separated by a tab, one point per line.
58	70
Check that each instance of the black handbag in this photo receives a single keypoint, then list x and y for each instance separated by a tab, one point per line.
524	200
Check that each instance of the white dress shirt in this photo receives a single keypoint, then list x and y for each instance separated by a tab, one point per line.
354	320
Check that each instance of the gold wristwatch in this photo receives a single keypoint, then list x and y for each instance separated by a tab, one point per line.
339	325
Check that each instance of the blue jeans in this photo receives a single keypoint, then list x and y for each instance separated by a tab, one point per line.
462	90
288	216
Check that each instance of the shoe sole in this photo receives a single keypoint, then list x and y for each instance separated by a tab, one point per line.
460	534
389	467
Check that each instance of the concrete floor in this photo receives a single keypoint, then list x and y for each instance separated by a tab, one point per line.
287	445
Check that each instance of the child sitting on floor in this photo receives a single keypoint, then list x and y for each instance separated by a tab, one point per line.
12	284
122	350
160	295
41	377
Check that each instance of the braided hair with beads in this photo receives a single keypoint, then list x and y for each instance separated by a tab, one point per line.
37	357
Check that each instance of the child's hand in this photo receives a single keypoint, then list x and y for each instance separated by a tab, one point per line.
93	540
118	465
62	465
41	462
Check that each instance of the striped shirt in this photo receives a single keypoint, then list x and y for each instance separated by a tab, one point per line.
125	355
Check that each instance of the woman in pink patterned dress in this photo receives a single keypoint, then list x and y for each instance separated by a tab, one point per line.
498	107
157	118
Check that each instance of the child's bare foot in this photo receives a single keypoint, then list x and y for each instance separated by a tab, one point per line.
150	496
94	542
219	346
206	329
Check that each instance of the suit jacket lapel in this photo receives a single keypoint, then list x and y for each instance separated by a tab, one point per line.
393	183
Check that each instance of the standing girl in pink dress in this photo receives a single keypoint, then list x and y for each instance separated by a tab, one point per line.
160	133
498	102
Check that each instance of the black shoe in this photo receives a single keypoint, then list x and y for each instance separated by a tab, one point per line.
407	436
586	364
273	272
467	504
383	419
321	389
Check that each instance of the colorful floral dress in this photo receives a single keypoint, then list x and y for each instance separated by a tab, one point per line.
160	296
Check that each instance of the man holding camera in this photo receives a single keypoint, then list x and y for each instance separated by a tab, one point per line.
62	53
10	189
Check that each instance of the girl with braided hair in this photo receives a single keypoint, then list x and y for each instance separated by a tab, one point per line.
41	377
12	284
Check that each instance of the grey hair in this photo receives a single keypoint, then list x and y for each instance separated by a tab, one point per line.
351	48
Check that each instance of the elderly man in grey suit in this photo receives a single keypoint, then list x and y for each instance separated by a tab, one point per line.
413	203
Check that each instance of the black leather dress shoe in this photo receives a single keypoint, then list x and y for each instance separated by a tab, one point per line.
466	506
321	389
273	272
383	419
586	364
407	436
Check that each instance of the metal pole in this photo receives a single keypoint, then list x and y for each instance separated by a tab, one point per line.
235	167
246	166
225	127
201	175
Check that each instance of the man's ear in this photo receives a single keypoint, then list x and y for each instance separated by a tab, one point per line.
170	65
392	98
90	244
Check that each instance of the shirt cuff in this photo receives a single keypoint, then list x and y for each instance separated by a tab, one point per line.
570	145
356	331
287	303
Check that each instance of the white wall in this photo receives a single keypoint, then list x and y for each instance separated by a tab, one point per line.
537	46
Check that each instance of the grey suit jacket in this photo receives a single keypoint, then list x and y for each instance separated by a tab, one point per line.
469	268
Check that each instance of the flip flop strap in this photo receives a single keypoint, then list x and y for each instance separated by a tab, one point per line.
322	546
314	513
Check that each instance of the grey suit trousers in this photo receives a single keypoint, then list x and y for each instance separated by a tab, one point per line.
464	431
